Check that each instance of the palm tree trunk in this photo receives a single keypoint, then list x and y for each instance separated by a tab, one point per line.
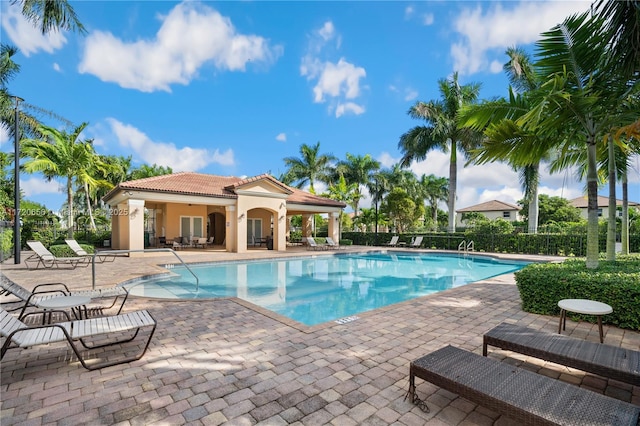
453	181
611	220
625	214
592	206
89	209
534	208
70	207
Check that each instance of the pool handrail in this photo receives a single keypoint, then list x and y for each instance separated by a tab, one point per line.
102	252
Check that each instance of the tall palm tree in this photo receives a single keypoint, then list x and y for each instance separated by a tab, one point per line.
434	189
61	154
579	100
310	167
442	131
357	170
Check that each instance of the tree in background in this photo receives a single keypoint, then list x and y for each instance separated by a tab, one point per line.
552	210
357	170
401	209
61	154
310	167
50	15
433	189
442	132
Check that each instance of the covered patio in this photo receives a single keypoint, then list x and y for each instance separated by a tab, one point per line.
232	212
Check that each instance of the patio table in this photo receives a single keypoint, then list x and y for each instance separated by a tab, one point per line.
583	306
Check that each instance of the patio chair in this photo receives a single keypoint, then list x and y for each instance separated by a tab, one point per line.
101	299
525	396
394	241
201	242
332	244
417	242
111	328
44	257
79	251
604	360
312	245
177	244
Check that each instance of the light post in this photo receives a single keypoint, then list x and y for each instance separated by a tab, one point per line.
16	181
376	202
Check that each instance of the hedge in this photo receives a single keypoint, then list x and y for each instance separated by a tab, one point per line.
542	285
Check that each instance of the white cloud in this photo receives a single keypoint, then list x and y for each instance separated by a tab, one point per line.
282	137
24	35
167	154
387	160
489	33
410	94
335	81
348	107
56	67
35	186
408	12
190	36
4	135
428	19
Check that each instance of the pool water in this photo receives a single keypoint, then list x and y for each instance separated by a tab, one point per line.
327	288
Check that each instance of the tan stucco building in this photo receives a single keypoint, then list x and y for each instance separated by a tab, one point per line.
493	209
603	206
236	212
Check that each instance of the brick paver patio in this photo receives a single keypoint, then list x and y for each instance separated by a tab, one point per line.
221	362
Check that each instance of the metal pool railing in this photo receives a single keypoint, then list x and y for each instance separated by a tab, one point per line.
103	252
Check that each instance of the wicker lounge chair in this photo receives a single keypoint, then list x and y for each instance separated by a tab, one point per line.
112	328
527	397
101	299
79	251
597	358
44	257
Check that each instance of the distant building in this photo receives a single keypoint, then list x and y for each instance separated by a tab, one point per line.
603	206
492	210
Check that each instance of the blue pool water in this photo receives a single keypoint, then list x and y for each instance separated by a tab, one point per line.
325	288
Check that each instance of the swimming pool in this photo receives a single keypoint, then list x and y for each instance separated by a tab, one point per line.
313	290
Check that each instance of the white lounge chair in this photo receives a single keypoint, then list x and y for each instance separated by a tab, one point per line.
312	245
333	244
18	334
101	299
44	257
79	251
417	242
394	241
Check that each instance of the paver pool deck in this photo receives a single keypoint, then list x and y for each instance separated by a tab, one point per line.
220	361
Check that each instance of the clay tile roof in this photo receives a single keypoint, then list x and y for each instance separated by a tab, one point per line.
190	183
490	206
582	202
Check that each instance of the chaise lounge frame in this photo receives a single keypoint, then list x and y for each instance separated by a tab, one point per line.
597	358
18	334
528	397
50	290
42	256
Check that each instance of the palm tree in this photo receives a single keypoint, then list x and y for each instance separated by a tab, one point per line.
49	15
311	167
434	189
60	154
342	191
357	169
579	100
442	131
505	139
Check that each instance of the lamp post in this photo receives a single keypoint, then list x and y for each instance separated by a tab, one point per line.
16	190
376	198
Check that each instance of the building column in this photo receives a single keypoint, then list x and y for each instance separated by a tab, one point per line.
334	227
231	229
307	226
135	225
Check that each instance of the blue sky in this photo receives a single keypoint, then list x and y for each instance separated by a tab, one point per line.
232	88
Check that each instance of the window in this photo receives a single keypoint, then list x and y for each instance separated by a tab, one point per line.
599	212
191	226
506	215
254	230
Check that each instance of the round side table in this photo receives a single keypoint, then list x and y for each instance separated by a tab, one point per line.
583	306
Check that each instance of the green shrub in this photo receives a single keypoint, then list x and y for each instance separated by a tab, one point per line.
542	285
63	250
6	244
346	242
